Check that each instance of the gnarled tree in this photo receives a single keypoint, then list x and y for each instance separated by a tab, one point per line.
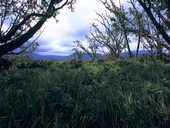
155	10
109	35
21	19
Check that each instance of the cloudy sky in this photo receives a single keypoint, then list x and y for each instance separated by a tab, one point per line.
57	38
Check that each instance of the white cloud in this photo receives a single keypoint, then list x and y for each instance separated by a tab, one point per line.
58	38
69	25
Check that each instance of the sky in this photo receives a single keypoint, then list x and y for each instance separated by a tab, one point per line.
57	38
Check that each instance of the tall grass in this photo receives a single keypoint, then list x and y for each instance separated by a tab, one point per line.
98	94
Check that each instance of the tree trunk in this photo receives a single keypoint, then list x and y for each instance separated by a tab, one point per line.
154	21
127	44
8	47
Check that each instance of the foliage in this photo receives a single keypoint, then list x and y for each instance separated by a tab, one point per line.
158	12
141	22
21	19
109	34
86	94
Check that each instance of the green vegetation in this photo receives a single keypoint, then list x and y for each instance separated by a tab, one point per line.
23	20
98	93
85	94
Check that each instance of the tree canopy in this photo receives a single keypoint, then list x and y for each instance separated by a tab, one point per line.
155	9
144	23
21	19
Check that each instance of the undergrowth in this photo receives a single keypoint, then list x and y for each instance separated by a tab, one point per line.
85	94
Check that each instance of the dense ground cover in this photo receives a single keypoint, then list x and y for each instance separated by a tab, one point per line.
90	94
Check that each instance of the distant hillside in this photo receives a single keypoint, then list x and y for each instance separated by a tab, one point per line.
141	52
51	57
57	57
85	57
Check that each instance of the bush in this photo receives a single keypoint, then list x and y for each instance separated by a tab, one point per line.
86	94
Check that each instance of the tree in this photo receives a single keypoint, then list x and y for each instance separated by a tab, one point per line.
81	50
119	20
21	19
120	26
77	54
148	33
155	9
109	34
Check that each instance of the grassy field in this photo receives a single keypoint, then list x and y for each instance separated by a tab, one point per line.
90	94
